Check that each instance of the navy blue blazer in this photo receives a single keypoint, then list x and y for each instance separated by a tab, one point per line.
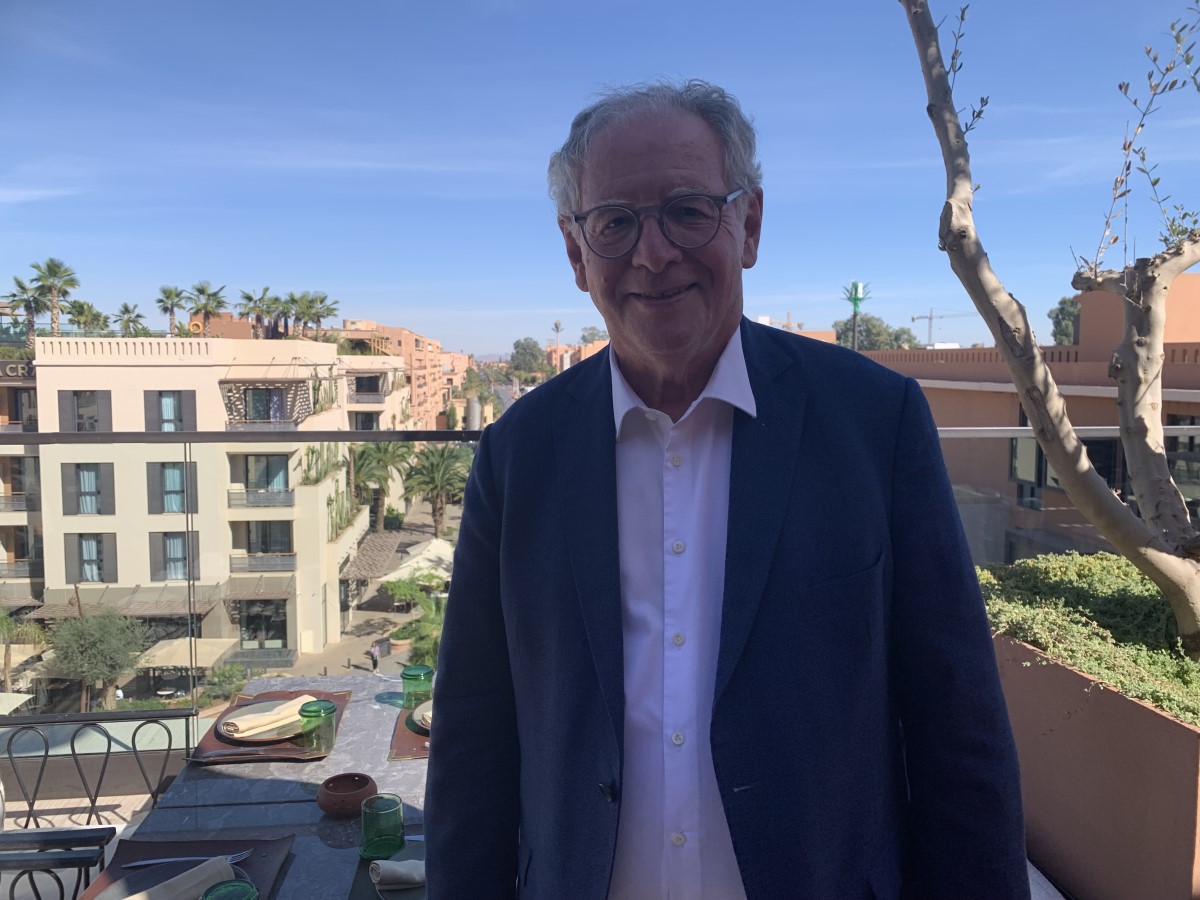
859	734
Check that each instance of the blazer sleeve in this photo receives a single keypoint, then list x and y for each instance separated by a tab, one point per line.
471	796
966	835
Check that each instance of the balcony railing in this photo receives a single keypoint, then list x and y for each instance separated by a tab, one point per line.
29	425
17	502
366	396
260	425
21	568
259	497
263	562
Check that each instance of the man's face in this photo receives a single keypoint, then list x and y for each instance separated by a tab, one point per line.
666	309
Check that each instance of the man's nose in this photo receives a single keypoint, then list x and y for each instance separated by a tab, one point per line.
653	250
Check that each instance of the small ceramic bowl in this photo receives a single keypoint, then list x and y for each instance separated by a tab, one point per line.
340	796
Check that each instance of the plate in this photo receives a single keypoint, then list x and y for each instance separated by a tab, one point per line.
414	726
143	879
288	729
420	713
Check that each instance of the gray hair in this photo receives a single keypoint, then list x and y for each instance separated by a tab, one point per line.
707	101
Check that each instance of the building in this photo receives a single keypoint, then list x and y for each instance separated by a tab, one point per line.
1011	501
251	537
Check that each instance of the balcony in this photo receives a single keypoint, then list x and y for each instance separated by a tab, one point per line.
366	396
18	502
261	425
21	568
263	562
29	425
259	497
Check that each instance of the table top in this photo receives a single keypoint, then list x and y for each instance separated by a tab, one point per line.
274	799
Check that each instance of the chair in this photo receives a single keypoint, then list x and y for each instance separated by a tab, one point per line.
28	852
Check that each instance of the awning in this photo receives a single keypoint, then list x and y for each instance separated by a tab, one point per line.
167	602
436	555
373	556
9	702
175	653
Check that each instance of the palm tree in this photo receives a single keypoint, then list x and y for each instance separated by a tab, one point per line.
290	306
255	308
34	301
58	279
322	308
374	467
129	320
306	311
207	302
438	475
557	328
85	316
17	631
170	300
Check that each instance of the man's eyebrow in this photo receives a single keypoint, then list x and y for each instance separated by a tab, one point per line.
685	191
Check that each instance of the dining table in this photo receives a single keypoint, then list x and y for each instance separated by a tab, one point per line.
265	800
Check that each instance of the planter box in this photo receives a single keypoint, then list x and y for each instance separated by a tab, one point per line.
1111	786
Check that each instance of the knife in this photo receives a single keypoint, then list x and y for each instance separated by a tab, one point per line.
143	863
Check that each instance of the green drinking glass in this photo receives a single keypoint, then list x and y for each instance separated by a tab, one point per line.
418	685
231	890
382	826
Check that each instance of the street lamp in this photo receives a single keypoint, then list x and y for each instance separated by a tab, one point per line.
856	293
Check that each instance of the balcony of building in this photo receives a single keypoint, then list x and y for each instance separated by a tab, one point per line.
262	562
368	388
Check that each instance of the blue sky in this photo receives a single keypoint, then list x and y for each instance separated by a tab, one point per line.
392	154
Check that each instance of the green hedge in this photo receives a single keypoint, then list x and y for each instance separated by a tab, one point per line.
1100	615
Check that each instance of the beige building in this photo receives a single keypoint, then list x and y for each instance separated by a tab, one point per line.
252	536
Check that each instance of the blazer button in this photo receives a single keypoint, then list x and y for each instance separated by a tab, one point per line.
608	793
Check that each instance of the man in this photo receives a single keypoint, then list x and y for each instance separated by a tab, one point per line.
713	629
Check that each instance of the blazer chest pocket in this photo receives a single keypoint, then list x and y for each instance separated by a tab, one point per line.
859	594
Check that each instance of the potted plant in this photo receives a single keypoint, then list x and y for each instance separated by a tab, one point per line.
1105	709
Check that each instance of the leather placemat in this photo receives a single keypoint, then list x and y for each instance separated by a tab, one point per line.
215	748
407	743
364	889
263	865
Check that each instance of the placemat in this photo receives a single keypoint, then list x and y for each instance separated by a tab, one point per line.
215	748
364	889
406	742
263	865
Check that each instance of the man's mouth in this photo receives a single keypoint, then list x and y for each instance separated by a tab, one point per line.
663	294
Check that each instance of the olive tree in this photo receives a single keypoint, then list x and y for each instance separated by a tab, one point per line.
1162	542
100	647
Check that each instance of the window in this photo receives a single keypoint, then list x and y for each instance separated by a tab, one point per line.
263	624
269	537
170	554
170	488
90	558
84	411
88	489
366	384
170	410
366	421
264	404
267	473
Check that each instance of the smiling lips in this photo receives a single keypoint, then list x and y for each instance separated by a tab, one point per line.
661	295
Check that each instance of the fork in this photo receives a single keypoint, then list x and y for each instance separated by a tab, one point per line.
232	859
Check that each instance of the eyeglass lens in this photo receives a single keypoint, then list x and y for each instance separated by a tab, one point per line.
688	222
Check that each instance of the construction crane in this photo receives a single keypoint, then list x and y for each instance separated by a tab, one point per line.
787	324
931	317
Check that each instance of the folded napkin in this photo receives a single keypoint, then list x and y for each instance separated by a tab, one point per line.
191	884
259	717
390	873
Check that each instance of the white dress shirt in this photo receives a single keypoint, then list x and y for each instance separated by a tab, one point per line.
672	517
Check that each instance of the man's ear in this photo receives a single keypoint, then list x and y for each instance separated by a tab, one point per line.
574	252
754	213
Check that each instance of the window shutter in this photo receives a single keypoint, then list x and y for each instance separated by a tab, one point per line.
158	566
153	411
193	489
66	411
70	490
108	499
108	558
188	400
154	487
194	554
71	555
104	410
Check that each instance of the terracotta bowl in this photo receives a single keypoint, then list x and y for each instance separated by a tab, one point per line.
341	796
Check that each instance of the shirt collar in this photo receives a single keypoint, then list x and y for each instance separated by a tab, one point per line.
729	382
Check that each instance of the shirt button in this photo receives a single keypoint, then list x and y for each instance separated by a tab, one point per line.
678	839
677	738
677	460
678	639
678	546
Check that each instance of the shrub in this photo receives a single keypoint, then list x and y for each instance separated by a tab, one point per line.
393	519
405	590
1100	615
141	704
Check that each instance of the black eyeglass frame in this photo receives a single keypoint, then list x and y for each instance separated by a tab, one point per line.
656	211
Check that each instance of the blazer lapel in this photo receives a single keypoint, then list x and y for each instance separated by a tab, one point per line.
585	451
765	449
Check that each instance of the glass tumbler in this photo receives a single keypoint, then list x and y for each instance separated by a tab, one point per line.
231	890
382	826
418	685
318	720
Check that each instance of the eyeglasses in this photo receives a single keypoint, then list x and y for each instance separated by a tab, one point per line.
689	222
